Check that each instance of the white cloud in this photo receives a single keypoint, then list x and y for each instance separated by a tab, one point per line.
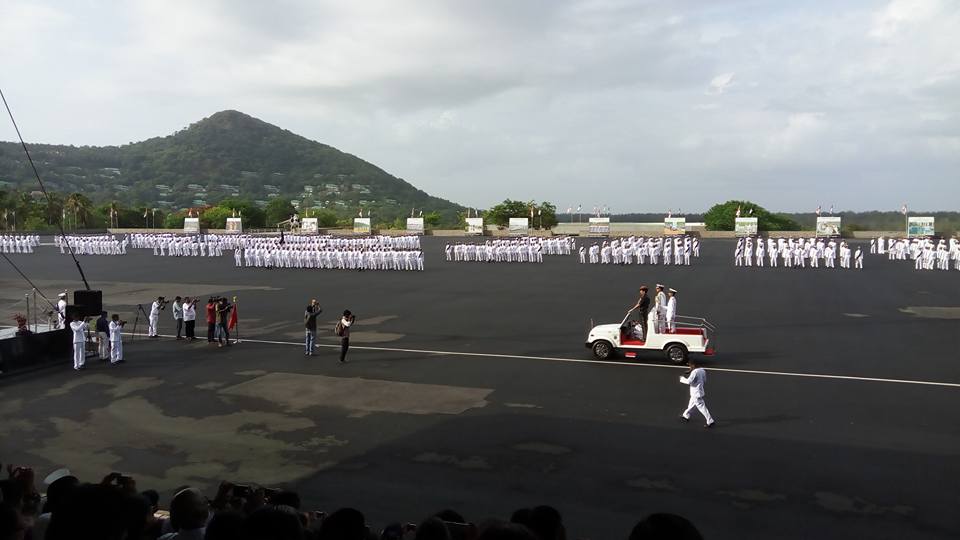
549	99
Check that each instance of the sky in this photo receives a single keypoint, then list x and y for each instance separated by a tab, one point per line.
633	105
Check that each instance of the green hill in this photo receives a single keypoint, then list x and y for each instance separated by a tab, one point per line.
228	155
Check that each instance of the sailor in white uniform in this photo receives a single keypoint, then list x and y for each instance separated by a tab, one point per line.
672	310
154	319
61	310
116	340
79	329
696	380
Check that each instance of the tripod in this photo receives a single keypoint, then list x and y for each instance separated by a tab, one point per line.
136	321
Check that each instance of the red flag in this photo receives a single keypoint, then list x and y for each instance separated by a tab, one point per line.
233	317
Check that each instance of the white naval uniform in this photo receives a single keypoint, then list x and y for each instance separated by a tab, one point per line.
116	342
696	380
672	313
79	329
154	318
61	313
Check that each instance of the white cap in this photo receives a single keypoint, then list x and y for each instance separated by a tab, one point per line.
674	291
61	295
56	475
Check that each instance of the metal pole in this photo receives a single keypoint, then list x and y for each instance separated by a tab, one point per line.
27	298
36	326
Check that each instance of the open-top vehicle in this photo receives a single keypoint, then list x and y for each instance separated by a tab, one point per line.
688	335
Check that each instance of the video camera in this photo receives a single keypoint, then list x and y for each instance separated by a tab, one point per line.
162	301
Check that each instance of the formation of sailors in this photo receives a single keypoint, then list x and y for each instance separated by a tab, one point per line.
925	253
524	249
183	245
18	243
93	244
677	250
401	253
797	253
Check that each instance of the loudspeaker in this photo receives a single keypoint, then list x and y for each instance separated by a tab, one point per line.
88	303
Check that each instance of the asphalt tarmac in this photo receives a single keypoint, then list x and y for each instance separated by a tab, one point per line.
469	387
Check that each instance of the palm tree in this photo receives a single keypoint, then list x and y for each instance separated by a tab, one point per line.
114	210
79	205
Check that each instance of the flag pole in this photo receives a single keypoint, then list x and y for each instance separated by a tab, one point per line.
235	314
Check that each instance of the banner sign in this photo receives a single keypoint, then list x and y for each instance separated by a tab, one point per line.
191	225
828	226
234	225
599	225
309	225
675	225
919	226
361	225
475	225
745	226
519	226
415	225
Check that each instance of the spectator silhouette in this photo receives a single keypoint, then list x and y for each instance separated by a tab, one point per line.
665	527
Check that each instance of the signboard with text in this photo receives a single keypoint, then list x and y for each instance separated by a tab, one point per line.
475	225
919	226
415	225
234	225
309	225
599	225
828	226
191	225
675	225
745	226
519	226
361	225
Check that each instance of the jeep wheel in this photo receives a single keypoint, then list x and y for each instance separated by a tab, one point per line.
676	353
602	350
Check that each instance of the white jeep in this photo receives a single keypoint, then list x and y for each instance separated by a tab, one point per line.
688	335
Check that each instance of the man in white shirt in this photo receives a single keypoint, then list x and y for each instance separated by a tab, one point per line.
154	318
116	340
79	330
177	310
696	379
190	317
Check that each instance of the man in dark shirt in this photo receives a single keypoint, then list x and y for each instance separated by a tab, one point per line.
643	306
103	336
223	318
310	323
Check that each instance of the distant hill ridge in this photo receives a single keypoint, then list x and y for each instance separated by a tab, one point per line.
229	154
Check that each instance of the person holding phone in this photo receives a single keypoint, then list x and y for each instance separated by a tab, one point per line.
343	331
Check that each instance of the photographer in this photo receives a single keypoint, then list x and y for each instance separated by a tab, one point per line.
103	336
177	310
79	329
223	318
343	331
310	323
116	339
190	317
211	318
155	308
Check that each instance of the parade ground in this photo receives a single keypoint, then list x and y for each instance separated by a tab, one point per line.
468	386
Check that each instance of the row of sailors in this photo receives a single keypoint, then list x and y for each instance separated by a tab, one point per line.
675	249
94	244
337	242
285	256
925	254
928	256
190	246
796	253
164	240
499	251
18	243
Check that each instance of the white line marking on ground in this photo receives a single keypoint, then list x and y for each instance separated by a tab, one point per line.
607	363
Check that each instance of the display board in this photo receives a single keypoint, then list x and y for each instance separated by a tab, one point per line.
599	225
234	225
361	225
309	225
675	225
191	225
519	226
919	226
415	225
475	225
828	226
745	226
